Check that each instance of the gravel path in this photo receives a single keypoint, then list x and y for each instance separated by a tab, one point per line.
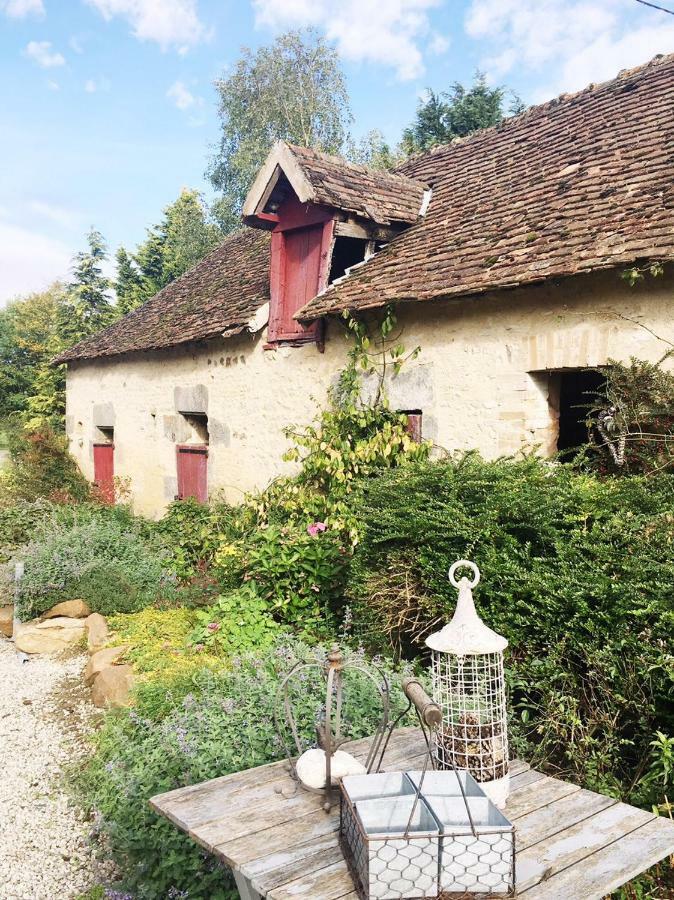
44	710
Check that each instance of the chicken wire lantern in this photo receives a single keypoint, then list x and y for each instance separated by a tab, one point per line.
469	687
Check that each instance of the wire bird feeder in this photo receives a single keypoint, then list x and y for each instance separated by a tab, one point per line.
319	769
469	687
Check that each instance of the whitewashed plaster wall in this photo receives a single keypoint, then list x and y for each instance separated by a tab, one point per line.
480	379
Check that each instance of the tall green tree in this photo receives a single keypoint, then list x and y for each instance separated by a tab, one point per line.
184	236
443	116
86	307
293	90
27	327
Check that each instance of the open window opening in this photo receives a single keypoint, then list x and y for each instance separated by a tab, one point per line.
198	423
575	389
346	252
414	423
104	464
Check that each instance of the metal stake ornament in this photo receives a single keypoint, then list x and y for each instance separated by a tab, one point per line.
469	687
319	769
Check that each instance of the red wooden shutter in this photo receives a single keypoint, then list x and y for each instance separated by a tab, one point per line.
193	473
301	265
414	426
104	471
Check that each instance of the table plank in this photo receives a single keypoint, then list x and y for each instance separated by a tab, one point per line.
544	859
610	867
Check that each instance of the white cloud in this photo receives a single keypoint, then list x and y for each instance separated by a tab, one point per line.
568	44
53	85
20	9
29	261
170	23
41	52
182	97
75	44
57	214
387	32
92	85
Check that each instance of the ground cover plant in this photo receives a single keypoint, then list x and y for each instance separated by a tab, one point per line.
184	732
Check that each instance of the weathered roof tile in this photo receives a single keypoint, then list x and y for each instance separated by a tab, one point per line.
580	183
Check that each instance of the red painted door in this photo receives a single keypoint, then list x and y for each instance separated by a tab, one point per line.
104	471
193	473
302	264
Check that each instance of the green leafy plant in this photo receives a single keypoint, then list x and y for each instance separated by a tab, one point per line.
237	622
41	467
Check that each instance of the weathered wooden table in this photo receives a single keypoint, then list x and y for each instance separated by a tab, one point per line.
571	844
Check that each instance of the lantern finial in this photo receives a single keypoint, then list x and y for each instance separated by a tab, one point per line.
466	634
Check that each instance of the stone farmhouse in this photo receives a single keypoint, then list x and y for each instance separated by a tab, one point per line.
502	253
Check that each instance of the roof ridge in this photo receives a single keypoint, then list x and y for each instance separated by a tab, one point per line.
357	167
539	109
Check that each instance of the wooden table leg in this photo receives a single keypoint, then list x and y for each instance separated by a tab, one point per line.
245	888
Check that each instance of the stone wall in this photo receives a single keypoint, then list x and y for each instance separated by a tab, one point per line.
482	381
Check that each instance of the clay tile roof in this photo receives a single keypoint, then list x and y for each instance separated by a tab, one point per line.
221	293
382	197
583	182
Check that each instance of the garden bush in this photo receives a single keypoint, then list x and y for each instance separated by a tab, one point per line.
210	725
42	467
577	573
238	621
100	556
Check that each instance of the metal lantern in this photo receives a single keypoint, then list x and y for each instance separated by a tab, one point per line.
469	687
320	768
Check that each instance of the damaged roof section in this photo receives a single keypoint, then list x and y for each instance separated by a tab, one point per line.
581	183
384	198
221	294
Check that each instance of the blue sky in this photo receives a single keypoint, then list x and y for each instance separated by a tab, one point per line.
107	107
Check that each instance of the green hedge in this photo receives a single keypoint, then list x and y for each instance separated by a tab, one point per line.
577	573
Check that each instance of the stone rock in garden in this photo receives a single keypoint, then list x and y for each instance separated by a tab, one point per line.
311	771
100	660
111	687
6	620
52	636
97	632
74	609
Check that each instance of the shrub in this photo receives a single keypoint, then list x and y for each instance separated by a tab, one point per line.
192	533
576	573
41	467
222	722
99	559
300	574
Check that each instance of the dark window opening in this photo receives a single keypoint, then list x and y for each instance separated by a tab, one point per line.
577	392
414	423
198	422
105	435
346	252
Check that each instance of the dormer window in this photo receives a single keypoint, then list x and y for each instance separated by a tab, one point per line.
326	216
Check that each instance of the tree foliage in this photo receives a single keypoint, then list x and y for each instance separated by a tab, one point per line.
292	90
27	327
184	236
443	116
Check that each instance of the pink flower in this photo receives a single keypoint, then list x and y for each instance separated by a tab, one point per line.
198	647
213	626
316	527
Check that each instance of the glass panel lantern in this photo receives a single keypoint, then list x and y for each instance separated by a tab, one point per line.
469	686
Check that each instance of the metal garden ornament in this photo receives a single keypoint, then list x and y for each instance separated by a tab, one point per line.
469	687
320	768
